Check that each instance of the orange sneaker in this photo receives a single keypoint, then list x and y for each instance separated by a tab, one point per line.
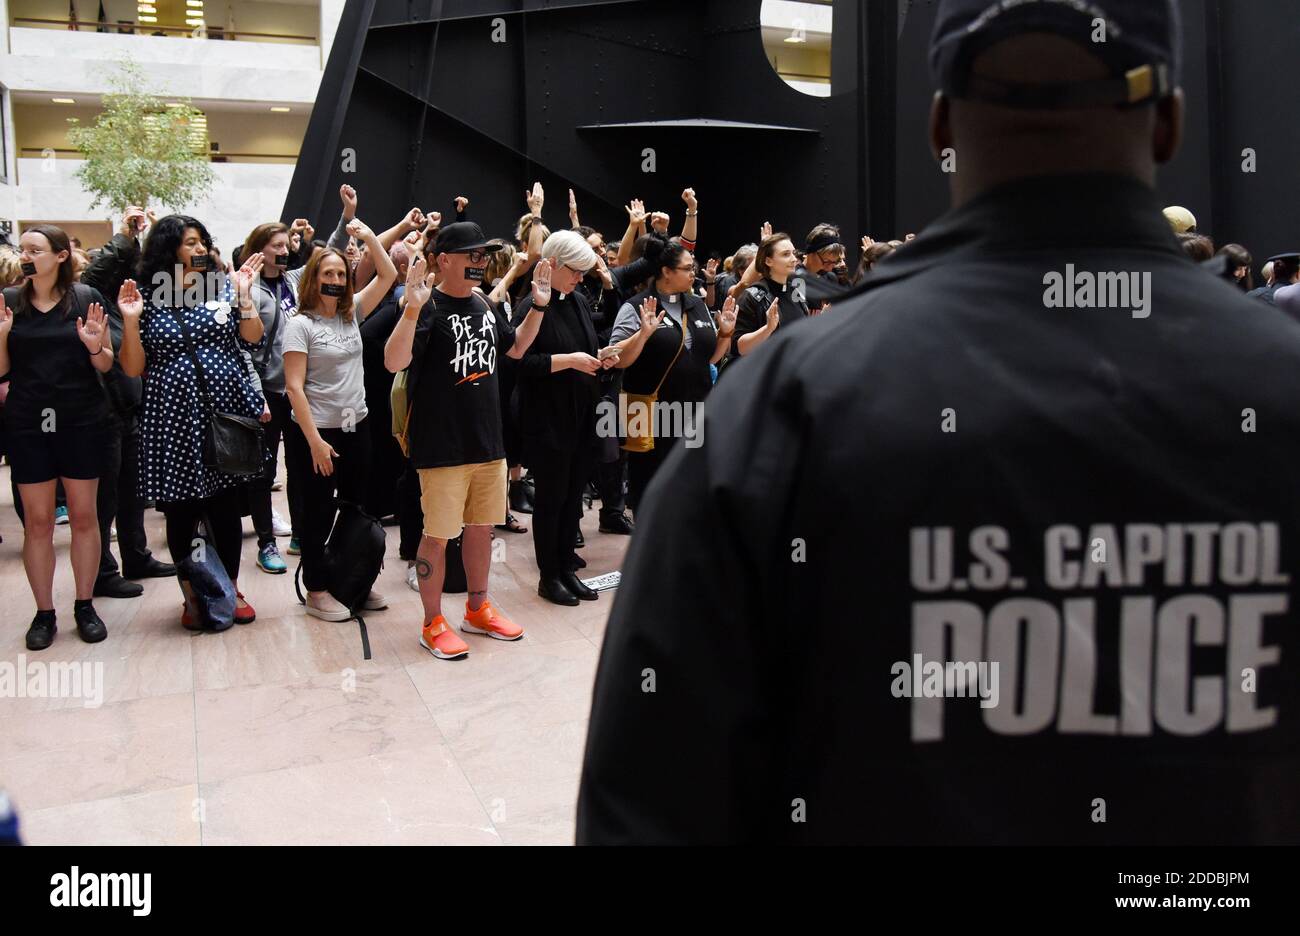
440	640
488	620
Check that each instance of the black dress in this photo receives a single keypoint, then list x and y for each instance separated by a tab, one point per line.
56	415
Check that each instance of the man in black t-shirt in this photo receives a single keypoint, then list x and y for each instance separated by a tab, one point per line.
450	337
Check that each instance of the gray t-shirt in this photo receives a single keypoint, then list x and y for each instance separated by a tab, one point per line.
628	322
335	385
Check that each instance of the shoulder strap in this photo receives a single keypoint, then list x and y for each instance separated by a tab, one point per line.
680	347
204	394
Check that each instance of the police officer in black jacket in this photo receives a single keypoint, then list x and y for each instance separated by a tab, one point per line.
1080	450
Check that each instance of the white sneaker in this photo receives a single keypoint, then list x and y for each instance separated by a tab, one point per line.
375	601
327	609
279	527
412	581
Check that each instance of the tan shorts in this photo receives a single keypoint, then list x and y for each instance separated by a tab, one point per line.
462	495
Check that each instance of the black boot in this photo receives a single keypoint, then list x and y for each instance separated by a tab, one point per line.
574	584
115	586
89	626
580	541
41	634
577	562
520	502
615	523
555	591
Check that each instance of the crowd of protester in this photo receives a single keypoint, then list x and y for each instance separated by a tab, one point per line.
510	351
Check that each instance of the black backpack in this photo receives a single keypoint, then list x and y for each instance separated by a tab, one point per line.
354	557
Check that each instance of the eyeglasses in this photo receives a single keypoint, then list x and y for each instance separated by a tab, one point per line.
475	256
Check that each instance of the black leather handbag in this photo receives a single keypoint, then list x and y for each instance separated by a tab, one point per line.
233	443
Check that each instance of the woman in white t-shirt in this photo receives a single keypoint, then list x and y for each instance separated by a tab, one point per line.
325	385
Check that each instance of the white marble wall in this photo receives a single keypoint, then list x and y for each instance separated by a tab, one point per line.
245	195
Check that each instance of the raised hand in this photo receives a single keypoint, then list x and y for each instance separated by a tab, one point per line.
773	315
659	221
348	195
688	196
542	282
244	276
308	232
636	212
727	316
419	283
295	241
573	204
867	243
711	270
133	221
765	232
299	226
358	229
650	321
91	330
7	317
461	204
129	301
414	219
536	198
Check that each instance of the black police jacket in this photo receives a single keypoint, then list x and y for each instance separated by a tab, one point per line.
967	462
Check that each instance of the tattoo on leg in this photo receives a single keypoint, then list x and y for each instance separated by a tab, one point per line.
423	568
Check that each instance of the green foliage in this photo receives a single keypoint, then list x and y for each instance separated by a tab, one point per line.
140	151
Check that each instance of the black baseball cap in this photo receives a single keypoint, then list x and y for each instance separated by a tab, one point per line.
1141	47
462	237
1291	258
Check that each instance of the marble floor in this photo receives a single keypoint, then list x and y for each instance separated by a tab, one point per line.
279	732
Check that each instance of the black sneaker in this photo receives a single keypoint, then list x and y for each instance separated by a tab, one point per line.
41	634
616	523
89	626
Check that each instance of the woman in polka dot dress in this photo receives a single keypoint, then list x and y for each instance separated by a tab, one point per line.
222	323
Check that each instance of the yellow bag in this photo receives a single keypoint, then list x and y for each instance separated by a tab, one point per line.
397	398
639	443
642	443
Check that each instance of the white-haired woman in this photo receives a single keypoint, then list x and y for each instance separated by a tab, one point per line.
558	391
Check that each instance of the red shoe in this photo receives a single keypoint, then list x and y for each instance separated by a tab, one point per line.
244	615
188	622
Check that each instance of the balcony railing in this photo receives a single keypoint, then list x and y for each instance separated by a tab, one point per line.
149	29
34	152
